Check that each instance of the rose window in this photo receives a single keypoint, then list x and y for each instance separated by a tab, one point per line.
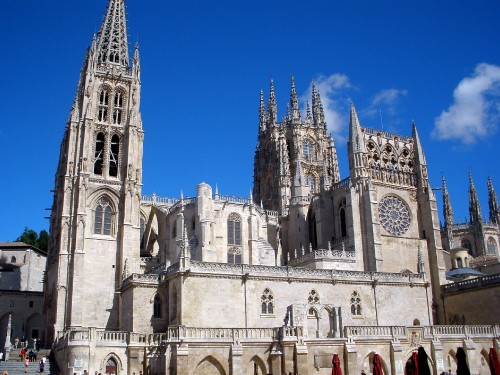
394	216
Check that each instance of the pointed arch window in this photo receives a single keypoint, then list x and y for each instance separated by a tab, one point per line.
142	230
491	246
311	181
465	243
234	230
118	108
267	302
111	366
343	223
157	307
113	155
308	150
102	113
234	255
103	217
99	153
356	304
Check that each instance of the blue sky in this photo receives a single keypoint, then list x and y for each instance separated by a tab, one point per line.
204	63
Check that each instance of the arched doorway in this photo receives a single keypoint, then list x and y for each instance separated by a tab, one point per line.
257	366
111	366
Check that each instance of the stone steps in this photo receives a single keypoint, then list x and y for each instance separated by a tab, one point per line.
16	367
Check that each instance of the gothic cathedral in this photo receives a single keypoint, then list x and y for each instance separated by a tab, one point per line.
309	266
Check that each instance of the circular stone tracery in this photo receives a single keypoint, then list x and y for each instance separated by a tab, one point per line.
394	215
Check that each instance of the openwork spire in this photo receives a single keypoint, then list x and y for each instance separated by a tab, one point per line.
419	152
317	108
112	45
447	210
294	102
493	203
262	113
272	108
356	140
474	206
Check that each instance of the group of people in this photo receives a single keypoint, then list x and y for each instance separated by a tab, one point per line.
23	343
31	357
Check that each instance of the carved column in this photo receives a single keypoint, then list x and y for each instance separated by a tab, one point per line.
351	356
236	359
437	356
182	354
397	360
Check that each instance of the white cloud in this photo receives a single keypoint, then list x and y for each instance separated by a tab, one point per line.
386	101
335	103
475	110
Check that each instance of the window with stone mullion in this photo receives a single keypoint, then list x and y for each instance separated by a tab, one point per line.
233	232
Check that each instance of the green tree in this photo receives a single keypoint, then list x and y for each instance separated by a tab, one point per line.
43	240
30	237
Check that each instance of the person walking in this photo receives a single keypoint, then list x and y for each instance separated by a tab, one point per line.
42	366
16	342
26	364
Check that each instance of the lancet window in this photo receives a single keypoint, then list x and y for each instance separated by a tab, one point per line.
308	150
99	153
102	113
157	307
491	246
103	217
118	108
356	304
113	155
311	181
142	230
234	255
267	302
467	245
234	230
343	221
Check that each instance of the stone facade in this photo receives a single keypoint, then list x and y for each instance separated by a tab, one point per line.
21	294
307	266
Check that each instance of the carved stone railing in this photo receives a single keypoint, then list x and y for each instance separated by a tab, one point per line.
289	272
176	333
430	332
385	134
341	183
479	282
156	200
297	200
322	254
462	331
232	199
378	331
272	334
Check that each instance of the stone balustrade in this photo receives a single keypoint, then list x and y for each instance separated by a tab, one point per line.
274	334
388	135
297	273
322	254
478	282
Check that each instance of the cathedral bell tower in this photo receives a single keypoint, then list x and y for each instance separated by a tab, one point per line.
94	225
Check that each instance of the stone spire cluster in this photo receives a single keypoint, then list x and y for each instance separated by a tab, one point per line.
474	205
293	142
493	203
